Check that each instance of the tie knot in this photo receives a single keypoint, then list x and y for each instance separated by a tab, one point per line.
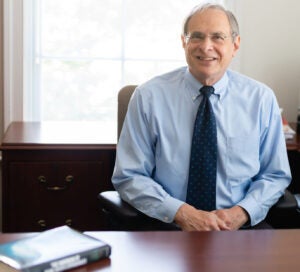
207	90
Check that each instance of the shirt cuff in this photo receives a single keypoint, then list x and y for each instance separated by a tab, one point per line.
257	212
167	211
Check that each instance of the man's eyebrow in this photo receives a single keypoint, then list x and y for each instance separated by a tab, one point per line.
196	32
218	33
211	33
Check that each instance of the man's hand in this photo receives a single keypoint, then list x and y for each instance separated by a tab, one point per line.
234	217
191	219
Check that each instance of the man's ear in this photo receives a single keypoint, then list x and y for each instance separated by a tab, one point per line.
236	45
183	41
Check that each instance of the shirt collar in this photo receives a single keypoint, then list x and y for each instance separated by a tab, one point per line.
193	85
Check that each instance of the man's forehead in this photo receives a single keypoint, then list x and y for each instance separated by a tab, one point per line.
214	19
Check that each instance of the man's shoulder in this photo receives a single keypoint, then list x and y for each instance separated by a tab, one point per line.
247	82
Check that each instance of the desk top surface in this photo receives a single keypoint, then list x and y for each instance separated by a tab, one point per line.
294	142
172	251
22	135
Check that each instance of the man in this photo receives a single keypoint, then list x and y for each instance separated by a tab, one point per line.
153	154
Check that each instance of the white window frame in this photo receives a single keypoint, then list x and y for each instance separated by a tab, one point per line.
16	65
13	61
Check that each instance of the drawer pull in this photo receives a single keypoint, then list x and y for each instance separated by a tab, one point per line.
68	222
68	180
42	179
42	223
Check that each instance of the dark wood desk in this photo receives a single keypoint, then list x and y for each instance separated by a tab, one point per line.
294	143
293	148
252	250
52	174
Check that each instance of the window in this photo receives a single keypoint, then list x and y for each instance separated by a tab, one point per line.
76	54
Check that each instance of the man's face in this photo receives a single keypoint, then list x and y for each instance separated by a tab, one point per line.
210	48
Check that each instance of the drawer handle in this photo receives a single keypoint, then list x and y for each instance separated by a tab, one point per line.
68	180
42	223
68	222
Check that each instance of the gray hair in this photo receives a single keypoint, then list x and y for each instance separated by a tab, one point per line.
234	26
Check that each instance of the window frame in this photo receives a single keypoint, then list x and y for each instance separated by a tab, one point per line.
13	61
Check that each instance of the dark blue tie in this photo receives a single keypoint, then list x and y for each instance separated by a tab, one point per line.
201	192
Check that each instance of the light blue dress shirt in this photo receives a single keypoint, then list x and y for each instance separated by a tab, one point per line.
153	152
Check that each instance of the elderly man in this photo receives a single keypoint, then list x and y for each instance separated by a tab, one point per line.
159	166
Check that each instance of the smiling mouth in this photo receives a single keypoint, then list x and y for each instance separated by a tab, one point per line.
206	58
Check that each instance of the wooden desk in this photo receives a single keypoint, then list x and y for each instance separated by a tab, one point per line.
52	174
294	143
246	251
293	148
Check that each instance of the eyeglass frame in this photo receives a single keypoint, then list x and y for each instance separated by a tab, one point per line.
201	37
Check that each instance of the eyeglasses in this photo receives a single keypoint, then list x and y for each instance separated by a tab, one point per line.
198	38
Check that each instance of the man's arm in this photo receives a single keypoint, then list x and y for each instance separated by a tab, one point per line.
274	174
135	164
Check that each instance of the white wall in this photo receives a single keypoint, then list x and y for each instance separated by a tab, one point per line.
270	47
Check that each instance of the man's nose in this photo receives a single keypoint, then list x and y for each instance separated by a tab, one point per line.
206	43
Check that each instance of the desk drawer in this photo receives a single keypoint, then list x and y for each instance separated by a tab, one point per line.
48	194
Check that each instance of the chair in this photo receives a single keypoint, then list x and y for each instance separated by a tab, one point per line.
122	216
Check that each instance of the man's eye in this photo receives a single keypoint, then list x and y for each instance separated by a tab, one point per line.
218	37
197	37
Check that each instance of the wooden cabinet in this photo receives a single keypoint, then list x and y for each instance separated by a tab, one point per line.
52	174
293	148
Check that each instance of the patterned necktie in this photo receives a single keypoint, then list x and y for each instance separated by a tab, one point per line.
201	192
